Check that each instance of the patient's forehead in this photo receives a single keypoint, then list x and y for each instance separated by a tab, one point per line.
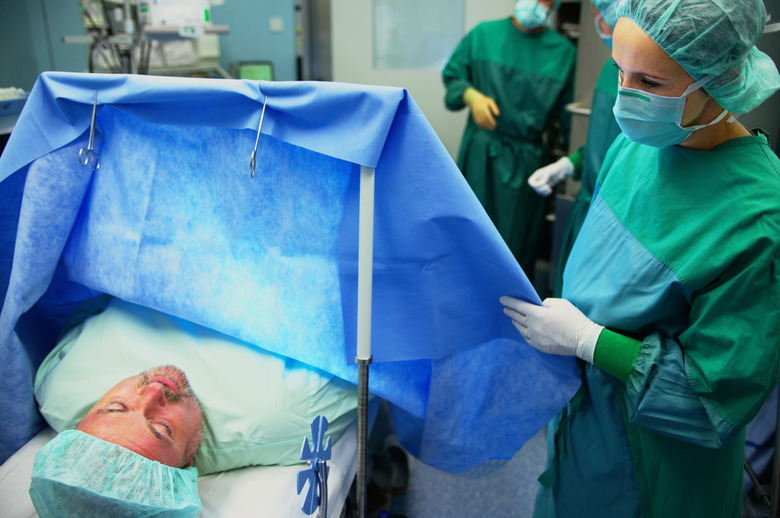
124	386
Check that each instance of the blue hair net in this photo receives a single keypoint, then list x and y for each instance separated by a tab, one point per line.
714	38
76	474
608	10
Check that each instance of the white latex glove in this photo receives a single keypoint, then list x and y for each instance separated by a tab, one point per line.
557	327
545	178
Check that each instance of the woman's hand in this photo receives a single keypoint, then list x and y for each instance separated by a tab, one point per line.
556	327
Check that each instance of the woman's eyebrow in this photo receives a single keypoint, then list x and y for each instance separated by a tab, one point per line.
640	73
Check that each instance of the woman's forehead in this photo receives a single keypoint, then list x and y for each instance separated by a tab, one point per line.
633	50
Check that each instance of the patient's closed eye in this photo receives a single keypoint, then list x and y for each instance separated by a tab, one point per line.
162	426
157	426
115	406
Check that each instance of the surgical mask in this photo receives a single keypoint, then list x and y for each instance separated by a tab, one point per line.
606	38
531	14
655	120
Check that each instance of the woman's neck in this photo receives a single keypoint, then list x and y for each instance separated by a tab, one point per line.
712	136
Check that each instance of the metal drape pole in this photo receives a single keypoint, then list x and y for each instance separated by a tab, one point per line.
776	466
361	484
363	359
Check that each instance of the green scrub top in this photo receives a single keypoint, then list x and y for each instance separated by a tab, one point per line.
678	259
602	130
530	76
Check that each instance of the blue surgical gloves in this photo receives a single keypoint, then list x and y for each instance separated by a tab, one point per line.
544	179
556	327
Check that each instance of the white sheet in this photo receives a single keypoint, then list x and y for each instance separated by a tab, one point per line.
255	491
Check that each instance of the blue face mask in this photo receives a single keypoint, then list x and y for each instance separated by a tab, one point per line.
531	14
655	120
606	38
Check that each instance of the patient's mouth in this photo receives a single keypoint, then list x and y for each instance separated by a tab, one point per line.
165	381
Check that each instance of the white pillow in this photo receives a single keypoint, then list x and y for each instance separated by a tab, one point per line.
258	405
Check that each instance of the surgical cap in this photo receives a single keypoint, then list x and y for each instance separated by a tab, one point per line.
608	10
715	39
76	474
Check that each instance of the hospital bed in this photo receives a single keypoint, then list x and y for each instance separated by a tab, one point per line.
173	218
239	387
246	492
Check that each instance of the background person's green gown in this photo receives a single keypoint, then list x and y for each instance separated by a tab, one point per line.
530	76
602	130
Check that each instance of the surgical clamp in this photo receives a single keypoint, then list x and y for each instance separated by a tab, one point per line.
254	153
88	155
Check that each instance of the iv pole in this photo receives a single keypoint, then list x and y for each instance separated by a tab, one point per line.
363	359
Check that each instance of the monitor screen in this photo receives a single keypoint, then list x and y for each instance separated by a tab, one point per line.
259	70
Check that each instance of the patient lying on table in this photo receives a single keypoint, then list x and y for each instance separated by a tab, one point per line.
253	407
126	453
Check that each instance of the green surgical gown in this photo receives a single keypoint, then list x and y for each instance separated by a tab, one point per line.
602	130
678	259
530	76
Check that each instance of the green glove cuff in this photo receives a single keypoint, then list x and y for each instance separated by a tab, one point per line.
576	159
587	342
616	354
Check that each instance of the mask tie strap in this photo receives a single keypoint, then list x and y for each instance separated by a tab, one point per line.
720	118
698	84
771	27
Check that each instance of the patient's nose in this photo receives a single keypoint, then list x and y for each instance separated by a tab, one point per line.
153	394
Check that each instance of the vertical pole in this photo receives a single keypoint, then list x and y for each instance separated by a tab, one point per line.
361	480
363	359
365	262
776	466
129	26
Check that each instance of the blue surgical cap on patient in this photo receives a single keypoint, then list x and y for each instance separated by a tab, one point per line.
712	39
76	475
608	10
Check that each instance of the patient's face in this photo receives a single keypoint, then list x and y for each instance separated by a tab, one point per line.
154	414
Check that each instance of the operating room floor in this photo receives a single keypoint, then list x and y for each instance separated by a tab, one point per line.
509	490
754	507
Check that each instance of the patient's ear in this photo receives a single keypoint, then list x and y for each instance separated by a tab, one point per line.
192	447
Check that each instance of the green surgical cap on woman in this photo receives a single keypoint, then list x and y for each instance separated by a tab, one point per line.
77	475
715	39
608	10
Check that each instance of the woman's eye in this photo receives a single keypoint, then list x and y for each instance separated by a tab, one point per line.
649	83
